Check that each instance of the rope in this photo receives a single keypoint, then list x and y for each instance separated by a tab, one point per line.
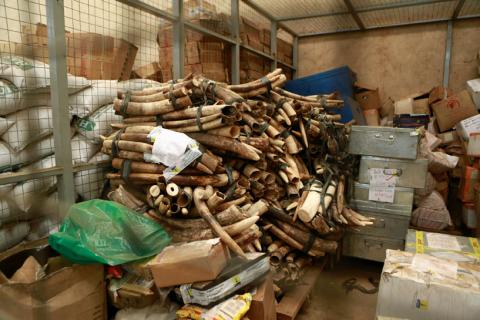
198	120
125	102
309	244
125	169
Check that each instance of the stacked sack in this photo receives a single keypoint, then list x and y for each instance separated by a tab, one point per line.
27	143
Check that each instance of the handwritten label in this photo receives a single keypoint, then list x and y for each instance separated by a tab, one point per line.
382	185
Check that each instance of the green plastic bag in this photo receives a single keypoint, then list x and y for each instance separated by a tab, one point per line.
100	231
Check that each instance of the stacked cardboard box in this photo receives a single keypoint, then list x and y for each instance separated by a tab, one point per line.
89	55
203	54
284	51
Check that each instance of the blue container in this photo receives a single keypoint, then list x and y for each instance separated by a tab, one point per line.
338	79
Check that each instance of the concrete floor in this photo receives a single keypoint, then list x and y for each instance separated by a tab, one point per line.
329	301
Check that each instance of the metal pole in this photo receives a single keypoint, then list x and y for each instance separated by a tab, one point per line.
178	40
235	48
59	97
273	43
448	54
295	58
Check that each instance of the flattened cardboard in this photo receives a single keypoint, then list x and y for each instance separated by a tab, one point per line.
453	110
263	306
190	262
74	292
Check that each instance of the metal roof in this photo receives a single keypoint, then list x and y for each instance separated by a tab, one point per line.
318	17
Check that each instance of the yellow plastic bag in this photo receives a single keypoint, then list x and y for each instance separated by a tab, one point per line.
189	311
232	309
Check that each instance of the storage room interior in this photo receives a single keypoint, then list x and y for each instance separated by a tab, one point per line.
239	159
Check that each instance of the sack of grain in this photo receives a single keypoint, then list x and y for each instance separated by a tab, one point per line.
22	79
27	74
83	149
137	84
42	227
10	160
13	234
5	124
97	124
29	125
431	213
420	193
32	193
6	214
89	183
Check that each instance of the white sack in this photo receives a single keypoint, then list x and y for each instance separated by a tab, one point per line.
98	123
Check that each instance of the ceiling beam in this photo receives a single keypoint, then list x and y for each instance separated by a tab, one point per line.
458	8
368	9
354	14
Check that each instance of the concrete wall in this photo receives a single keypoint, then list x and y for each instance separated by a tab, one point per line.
400	61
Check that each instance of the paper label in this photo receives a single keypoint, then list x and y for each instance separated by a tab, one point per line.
443	242
174	149
382	184
85	124
429	264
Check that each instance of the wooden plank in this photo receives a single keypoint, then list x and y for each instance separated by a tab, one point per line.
293	300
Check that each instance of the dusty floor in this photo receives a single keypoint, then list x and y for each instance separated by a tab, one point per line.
329	301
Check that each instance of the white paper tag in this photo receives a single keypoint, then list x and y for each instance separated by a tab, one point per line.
426	263
443	242
173	149
382	184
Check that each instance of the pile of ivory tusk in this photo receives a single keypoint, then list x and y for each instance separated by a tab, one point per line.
273	167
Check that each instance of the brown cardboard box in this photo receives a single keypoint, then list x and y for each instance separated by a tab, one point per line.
404	106
150	71
89	55
191	53
439	93
372	117
190	262
74	292
165	57
421	106
367	97
193	68
212	56
453	110
263	306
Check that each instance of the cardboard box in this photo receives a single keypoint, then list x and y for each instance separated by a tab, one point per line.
473	87
439	93
263	306
404	106
150	71
67	291
421	106
421	286
466	191
453	110
372	117
190	262
89	55
443	245
367	97
468	126
192	54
